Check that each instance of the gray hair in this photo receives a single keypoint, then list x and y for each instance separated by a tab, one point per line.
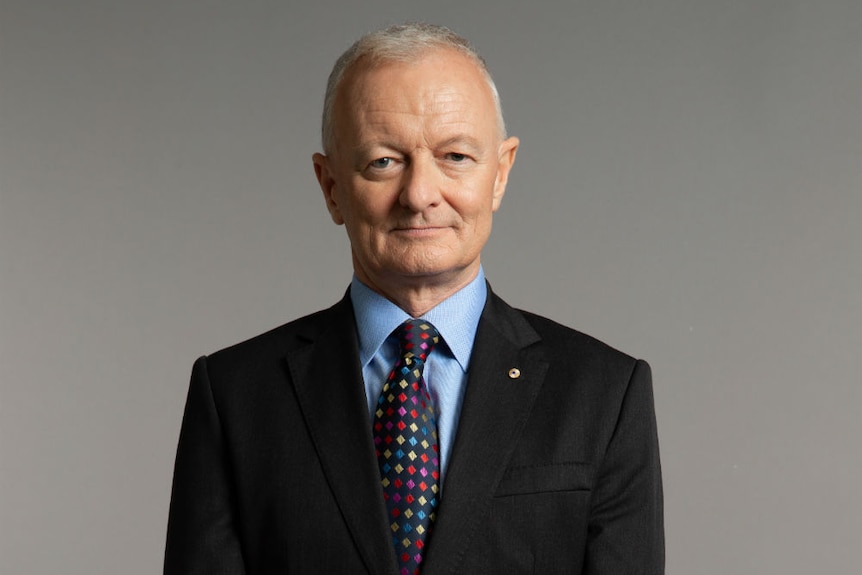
401	43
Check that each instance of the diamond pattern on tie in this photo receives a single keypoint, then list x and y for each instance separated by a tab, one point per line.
405	437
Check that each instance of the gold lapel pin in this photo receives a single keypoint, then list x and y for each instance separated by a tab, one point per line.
514	373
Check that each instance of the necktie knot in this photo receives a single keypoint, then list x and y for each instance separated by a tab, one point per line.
416	338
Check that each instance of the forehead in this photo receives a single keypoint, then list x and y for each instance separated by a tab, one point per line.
441	88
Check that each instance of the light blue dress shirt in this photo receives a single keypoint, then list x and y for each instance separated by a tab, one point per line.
445	373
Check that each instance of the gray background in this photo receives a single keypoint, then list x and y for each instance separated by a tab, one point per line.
687	190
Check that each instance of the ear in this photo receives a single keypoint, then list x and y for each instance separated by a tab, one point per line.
505	160
326	180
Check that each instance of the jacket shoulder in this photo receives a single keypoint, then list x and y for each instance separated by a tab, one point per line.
574	343
274	344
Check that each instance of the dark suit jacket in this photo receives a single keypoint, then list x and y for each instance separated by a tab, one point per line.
555	471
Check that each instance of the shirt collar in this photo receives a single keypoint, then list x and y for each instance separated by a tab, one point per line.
456	318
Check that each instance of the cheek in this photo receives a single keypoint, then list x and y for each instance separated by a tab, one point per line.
372	202
475	206
365	218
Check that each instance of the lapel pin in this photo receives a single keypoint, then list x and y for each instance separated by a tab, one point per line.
514	373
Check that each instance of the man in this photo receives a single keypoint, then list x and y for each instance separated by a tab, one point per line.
500	441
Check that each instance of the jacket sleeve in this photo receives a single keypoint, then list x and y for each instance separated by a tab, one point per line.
202	537
626	528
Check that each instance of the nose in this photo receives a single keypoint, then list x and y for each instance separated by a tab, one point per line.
421	185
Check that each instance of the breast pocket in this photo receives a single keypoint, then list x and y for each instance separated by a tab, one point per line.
546	478
537	521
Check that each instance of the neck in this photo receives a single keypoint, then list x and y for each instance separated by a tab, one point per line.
418	295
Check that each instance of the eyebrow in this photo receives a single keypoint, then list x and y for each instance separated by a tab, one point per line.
468	141
364	151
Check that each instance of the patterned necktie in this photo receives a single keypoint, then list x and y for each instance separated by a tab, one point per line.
405	437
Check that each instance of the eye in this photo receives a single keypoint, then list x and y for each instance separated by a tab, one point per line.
381	163
456	157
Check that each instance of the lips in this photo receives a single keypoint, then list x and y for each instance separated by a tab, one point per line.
419	232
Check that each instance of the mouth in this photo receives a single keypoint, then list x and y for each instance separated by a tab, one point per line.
419	231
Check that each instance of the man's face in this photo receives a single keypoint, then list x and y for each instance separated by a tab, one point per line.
417	170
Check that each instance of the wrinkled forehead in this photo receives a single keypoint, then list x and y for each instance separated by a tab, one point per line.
440	74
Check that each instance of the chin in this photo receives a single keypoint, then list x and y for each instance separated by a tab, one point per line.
424	264
430	270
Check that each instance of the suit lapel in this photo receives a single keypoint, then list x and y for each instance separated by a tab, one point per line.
336	414
496	405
